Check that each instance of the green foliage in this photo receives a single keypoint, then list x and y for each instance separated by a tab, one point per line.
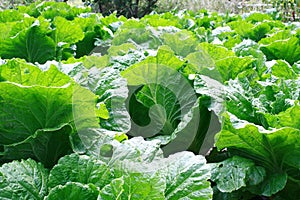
27	177
275	151
81	176
36	112
37	39
116	124
235	173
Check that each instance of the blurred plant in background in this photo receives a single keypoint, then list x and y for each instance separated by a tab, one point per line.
224	6
287	10
6	4
127	8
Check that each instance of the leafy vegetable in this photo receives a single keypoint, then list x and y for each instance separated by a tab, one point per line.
75	191
23	180
37	116
235	173
275	150
31	44
116	108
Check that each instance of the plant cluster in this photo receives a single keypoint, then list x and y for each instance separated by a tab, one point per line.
95	107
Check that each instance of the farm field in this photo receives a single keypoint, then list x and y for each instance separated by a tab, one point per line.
179	105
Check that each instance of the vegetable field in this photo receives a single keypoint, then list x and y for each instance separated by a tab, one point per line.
110	108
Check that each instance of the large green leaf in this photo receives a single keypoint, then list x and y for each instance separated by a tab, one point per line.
213	89
135	149
291	191
23	179
66	31
186	177
73	191
10	16
128	182
275	150
112	90
272	184
167	120
217	62
23	110
235	173
121	50
20	72
93	30
258	17
182	42
45	145
136	32
288	50
85	61
149	151
287	118
40	110
5	29
216	52
103	144
81	169
107	84
86	45
230	67
164	56
113	191
248	30
251	48
28	22
191	131
280	69
32	44
133	186
280	35
240	97
241	27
